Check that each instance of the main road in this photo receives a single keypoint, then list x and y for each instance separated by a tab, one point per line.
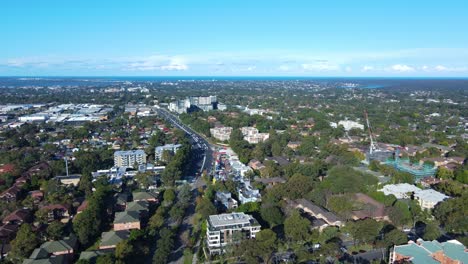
203	162
203	149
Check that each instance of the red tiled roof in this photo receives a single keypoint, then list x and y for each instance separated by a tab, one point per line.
18	215
7	168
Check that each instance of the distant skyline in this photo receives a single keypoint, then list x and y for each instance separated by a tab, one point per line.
234	38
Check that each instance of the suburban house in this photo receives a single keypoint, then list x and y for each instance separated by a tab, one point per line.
10	194
141	207
92	255
256	165
294	145
18	217
112	238
145	196
270	182
58	212
60	251
121	201
225	200
127	220
371	208
82	207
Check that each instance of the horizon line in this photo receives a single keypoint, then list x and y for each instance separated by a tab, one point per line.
230	76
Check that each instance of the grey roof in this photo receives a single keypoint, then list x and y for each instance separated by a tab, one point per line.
90	255
430	195
137	206
112	238
50	247
270	180
129	152
329	217
122	198
60	259
230	219
39	253
127	217
143	196
430	145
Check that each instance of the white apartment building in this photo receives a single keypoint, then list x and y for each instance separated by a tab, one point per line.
257	138
347	124
221	133
429	198
158	151
225	229
129	158
252	135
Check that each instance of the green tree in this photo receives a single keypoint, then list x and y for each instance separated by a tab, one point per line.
431	231
444	173
23	245
143	179
296	227
272	214
205	208
400	214
258	250
55	230
395	237
363	231
169	196
123	251
105	259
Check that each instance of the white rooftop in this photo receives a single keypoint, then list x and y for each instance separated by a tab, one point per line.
399	188
229	219
430	195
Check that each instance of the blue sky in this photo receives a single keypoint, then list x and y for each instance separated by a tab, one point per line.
234	38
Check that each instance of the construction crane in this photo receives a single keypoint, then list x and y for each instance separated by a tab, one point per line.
373	143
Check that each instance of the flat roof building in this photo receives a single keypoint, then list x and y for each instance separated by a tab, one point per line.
400	191
172	148
129	158
226	229
429	198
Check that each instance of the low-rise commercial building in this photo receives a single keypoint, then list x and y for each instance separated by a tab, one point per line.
429	252
227	229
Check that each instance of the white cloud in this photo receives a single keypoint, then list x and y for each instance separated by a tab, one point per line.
440	68
284	68
367	68
348	69
158	62
425	68
402	68
320	66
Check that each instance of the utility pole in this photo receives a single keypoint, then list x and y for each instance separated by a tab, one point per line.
66	164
